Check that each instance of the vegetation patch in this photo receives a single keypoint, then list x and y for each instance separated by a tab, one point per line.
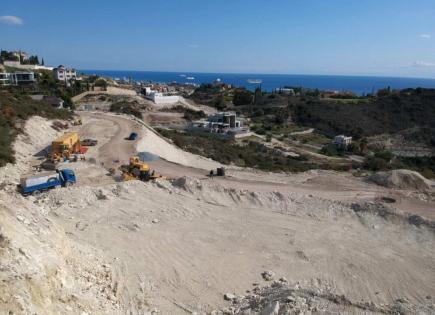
248	154
15	108
189	114
129	108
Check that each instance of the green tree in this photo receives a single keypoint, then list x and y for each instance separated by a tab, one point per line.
242	97
220	102
101	83
257	95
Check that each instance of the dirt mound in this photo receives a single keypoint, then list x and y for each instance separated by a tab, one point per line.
281	298
402	179
45	272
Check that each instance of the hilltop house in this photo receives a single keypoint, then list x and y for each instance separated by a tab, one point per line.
342	141
16	78
62	73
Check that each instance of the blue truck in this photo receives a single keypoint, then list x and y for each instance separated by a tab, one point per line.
133	136
46	180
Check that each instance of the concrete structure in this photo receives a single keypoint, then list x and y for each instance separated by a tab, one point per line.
160	94
12	63
224	119
62	73
5	78
52	100
224	124
17	78
22	78
160	98
286	91
342	141
17	64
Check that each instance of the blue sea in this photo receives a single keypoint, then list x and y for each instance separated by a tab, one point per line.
357	84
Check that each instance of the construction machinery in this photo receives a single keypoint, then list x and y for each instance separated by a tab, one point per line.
77	121
43	181
64	146
138	170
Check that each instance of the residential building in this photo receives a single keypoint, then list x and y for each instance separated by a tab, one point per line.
62	73
17	78
224	124
342	141
224	119
286	91
5	78
22	78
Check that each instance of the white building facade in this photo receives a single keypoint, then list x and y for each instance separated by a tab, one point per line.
62	73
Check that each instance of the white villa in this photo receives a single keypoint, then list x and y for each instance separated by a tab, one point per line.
62	73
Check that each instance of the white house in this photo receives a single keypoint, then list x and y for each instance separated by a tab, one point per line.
342	141
160	98
17	78
64	74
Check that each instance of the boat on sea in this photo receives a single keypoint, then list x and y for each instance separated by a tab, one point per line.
254	81
182	75
190	78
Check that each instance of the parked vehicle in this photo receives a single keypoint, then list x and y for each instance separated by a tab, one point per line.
46	180
89	142
133	136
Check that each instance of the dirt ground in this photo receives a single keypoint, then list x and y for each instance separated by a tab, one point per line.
177	246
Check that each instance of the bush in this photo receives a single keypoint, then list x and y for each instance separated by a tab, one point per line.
375	164
242	97
129	108
16	107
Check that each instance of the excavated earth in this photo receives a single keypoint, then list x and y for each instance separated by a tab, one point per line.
251	243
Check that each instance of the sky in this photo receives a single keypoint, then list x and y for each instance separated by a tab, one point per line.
343	37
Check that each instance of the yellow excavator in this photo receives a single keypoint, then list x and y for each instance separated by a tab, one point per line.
77	121
138	170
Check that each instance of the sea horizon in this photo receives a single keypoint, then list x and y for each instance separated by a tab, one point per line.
359	84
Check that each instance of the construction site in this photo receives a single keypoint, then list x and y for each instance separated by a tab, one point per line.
103	215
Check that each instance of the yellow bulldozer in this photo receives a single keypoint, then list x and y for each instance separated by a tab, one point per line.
138	170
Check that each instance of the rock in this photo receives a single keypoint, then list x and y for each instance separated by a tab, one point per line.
283	279
290	299
402	179
271	309
268	275
156	221
300	301
230	296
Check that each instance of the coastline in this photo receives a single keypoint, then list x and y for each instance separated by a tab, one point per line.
356	84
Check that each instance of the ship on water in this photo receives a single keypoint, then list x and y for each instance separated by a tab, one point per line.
254	81
190	78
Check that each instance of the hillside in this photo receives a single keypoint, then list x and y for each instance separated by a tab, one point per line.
389	113
15	109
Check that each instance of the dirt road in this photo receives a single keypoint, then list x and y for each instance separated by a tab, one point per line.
180	246
114	150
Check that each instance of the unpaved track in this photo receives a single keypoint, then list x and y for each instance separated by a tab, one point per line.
180	246
113	150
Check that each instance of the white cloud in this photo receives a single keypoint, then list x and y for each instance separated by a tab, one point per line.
11	20
423	64
425	36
